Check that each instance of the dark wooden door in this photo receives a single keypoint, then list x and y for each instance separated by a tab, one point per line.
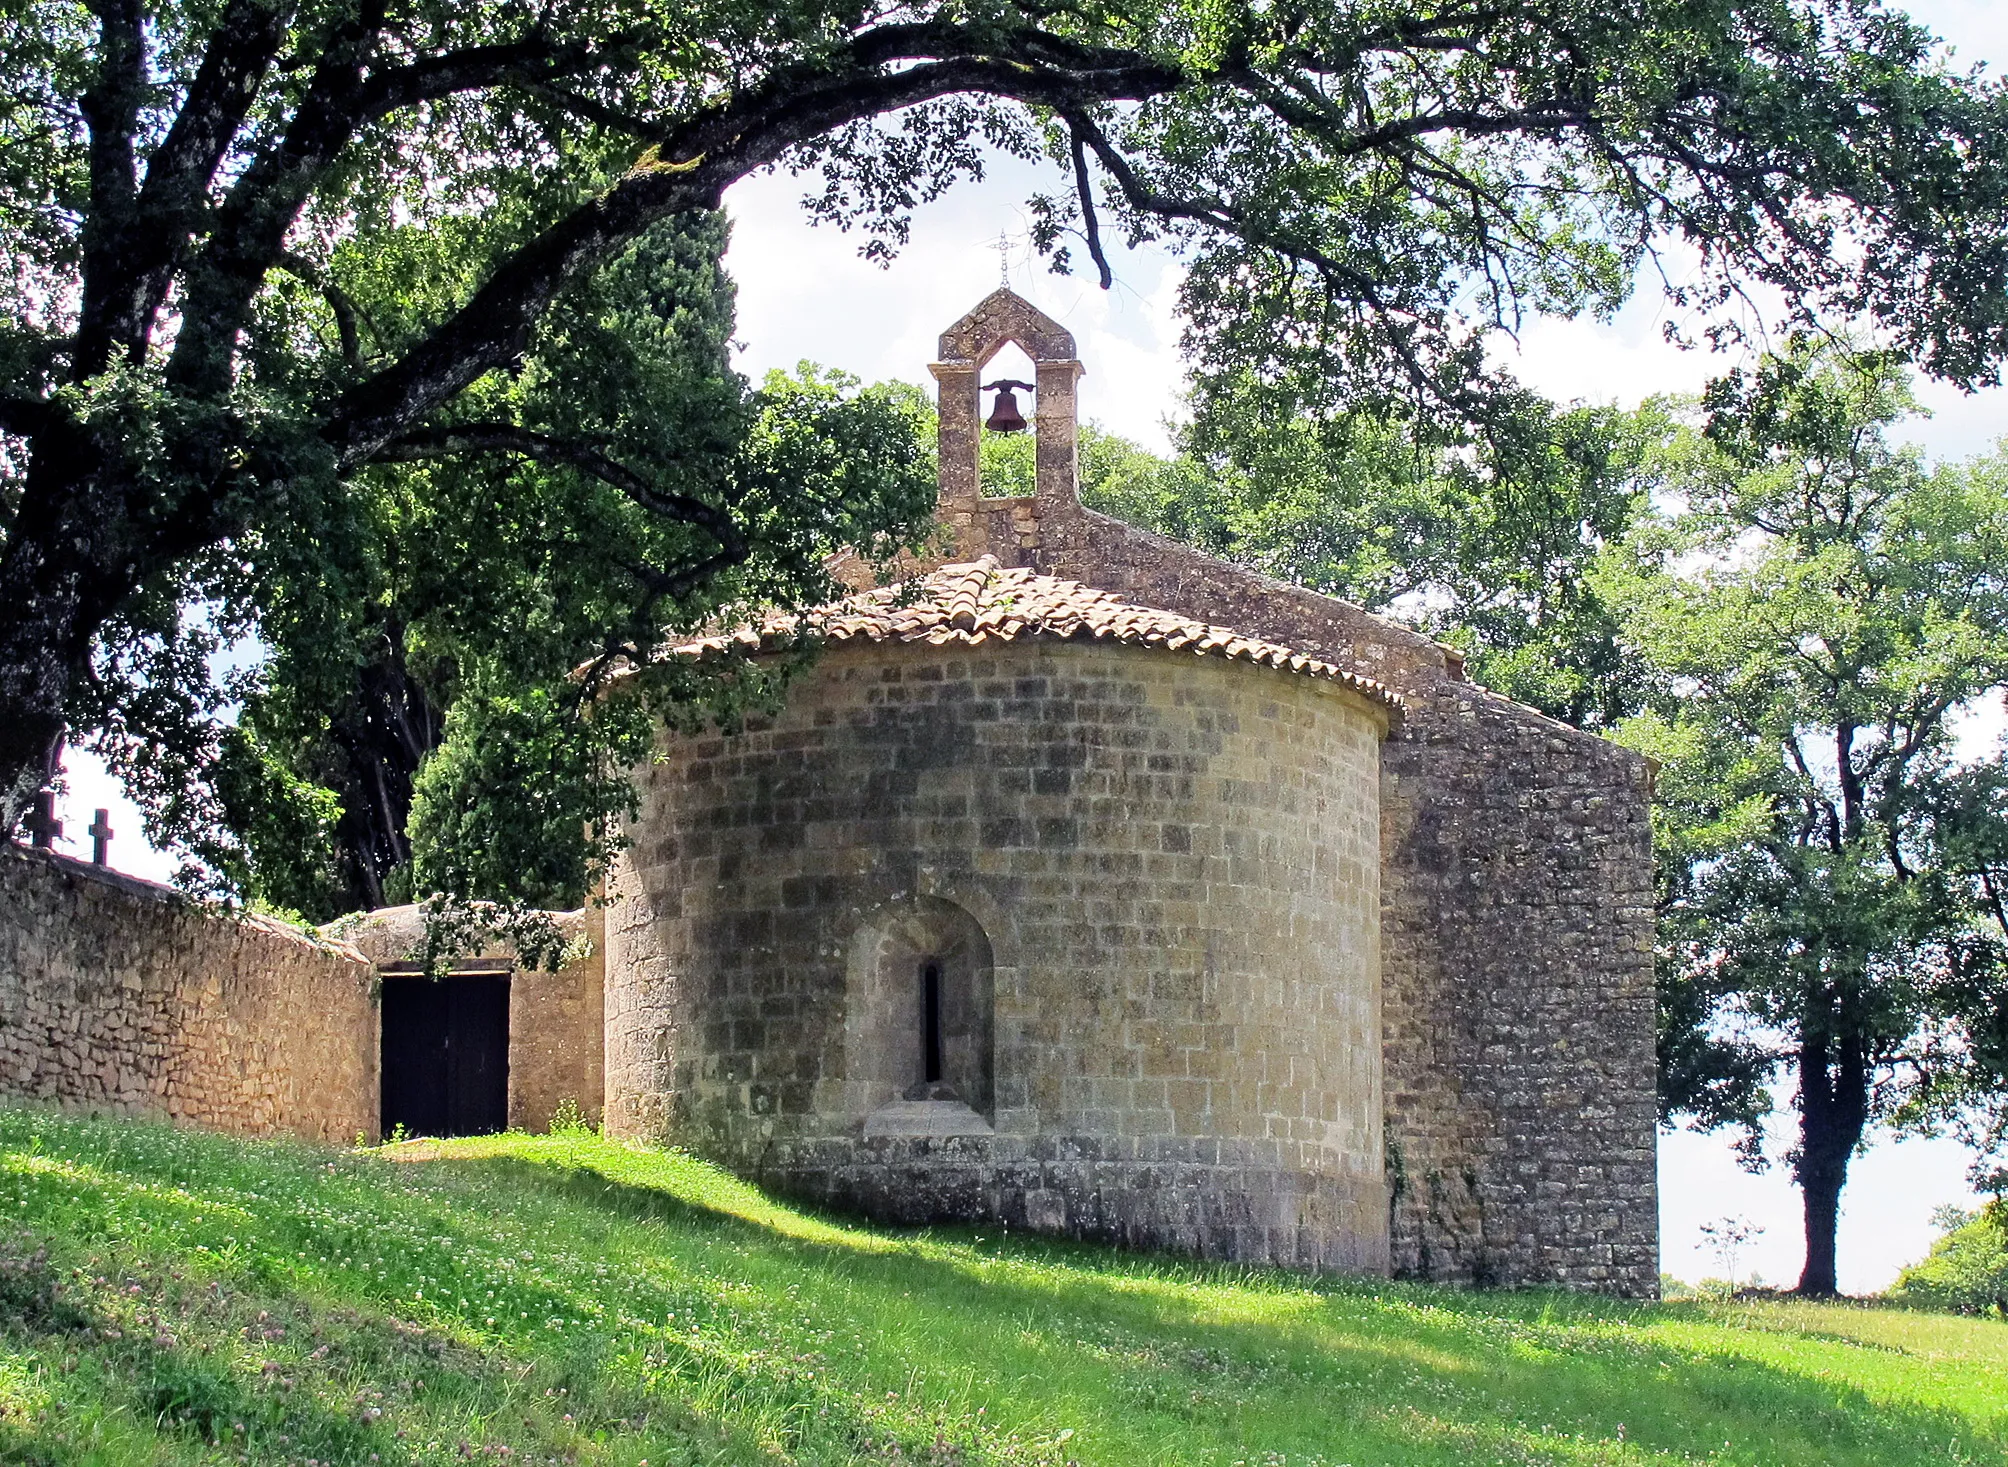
446	1055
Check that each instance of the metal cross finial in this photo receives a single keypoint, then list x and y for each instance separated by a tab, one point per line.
1003	261
43	825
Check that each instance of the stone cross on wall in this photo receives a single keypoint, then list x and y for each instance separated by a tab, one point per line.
101	834
966	348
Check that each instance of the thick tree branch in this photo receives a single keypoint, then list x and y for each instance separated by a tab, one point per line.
111	108
343	97
430	443
239	51
598	113
1994	901
340	303
689	172
532	61
1344	279
23	415
673	585
1090	227
178	175
1340	134
251	226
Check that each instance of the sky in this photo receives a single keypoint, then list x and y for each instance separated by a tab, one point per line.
805	294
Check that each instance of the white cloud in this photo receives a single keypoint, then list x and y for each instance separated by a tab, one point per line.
1975	30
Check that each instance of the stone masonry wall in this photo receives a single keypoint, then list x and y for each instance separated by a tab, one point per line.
121	996
1517	927
556	1019
1173	862
557	1037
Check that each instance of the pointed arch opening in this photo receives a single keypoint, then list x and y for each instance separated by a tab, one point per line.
1002	320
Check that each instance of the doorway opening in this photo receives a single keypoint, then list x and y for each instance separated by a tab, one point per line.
445	1057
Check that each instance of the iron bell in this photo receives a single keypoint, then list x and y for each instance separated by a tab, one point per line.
1005	417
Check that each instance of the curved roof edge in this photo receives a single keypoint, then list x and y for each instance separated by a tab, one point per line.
980	601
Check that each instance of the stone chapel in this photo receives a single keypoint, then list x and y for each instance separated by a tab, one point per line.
1085	884
1091	885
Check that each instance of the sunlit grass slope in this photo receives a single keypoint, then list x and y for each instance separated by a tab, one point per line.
173	1297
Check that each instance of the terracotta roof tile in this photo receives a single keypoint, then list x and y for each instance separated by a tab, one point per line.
980	601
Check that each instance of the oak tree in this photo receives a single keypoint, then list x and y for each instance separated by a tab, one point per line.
1484	534
1362	189
413	719
1822	613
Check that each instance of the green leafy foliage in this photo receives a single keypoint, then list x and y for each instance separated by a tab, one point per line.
1818	610
263	260
1483	535
1486	538
1967	1270
432	711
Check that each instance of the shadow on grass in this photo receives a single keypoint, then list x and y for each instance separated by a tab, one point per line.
1156	1359
1379	1371
132	1388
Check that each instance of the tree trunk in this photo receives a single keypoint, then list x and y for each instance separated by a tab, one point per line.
37	633
385	735
91	528
1833	1113
34	681
53	580
1820	1187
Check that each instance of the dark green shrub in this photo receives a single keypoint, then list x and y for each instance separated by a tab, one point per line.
1967	1269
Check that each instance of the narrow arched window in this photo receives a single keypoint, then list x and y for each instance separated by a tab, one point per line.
930	1021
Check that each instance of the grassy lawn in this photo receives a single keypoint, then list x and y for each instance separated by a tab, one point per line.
174	1297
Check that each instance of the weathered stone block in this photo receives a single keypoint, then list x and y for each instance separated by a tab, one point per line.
120	995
